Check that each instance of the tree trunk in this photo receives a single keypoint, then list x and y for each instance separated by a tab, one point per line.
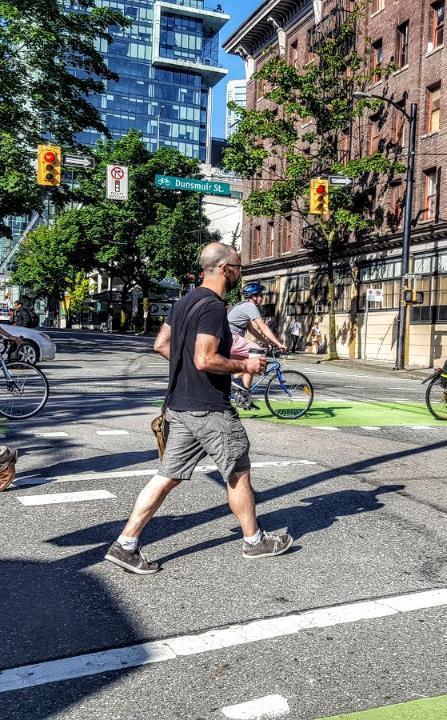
332	349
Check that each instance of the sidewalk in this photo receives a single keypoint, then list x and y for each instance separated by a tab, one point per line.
378	367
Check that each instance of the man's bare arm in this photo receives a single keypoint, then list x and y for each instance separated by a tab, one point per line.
207	358
256	333
264	329
162	343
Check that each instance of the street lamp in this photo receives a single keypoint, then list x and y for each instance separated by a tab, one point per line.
412	119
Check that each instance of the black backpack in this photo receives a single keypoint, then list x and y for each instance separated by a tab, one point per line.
33	318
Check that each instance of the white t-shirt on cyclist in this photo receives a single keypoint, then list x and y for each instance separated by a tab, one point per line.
241	315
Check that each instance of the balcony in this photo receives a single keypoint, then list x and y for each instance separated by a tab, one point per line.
329	26
206	64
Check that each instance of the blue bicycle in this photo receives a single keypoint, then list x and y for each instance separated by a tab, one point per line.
288	394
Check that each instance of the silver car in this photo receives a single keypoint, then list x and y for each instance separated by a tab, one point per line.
37	346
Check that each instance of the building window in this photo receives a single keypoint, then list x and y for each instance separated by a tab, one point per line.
374	134
399	125
402	45
396	205
436	26
270	239
434	108
287	235
256	248
293	54
377	60
430	193
377	5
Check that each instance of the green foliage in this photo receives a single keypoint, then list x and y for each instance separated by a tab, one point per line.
49	70
78	288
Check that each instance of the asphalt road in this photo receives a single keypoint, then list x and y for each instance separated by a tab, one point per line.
367	508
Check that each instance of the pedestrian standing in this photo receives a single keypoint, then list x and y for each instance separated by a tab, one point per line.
201	420
315	337
296	332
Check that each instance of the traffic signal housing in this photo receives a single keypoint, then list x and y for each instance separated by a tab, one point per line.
49	159
416	297
319	197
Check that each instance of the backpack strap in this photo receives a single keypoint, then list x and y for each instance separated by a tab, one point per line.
175	361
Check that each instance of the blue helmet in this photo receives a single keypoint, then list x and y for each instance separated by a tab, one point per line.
253	288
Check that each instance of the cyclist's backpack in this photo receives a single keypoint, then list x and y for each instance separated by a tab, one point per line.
33	318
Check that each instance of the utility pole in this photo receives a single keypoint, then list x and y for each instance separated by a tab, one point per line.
400	358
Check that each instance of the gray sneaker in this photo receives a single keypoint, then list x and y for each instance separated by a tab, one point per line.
269	546
131	561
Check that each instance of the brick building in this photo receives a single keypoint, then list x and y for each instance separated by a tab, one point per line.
411	35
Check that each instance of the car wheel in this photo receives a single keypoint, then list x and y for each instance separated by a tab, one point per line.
28	352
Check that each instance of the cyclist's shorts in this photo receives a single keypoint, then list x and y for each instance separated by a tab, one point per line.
241	347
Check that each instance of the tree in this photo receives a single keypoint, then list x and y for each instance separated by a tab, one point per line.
49	71
321	94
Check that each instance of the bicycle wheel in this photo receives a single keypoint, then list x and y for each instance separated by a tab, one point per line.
436	398
289	394
24	393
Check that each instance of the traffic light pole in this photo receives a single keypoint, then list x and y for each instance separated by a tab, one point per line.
402	326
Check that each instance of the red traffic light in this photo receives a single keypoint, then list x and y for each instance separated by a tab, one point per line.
321	189
49	156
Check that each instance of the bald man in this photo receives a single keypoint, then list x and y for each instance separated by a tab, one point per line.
201	419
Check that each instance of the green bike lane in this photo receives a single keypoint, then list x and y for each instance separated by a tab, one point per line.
346	412
427	709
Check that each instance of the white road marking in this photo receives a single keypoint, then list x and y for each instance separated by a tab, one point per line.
324	427
117	475
370	427
270	706
215	639
57	498
112	432
52	434
355	387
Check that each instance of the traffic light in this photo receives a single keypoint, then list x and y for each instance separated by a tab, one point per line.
319	197
416	297
49	165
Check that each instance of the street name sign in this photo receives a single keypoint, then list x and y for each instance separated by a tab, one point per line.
207	187
78	161
374	295
340	180
117	182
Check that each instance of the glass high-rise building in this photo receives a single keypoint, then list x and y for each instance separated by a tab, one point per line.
167	63
236	92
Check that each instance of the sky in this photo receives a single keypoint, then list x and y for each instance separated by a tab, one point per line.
238	10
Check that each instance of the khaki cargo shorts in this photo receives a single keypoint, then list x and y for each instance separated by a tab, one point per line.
194	435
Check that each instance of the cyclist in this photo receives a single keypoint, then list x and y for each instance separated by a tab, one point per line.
244	316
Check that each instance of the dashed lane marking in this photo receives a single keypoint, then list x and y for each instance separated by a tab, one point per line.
370	427
52	434
114	475
270	706
112	432
325	427
58	498
156	651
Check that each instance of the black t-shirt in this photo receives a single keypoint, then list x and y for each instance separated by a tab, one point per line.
197	389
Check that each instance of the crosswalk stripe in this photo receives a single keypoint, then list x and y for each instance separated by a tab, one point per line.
156	651
56	498
270	706
117	475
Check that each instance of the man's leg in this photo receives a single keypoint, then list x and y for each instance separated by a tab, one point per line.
242	502
125	551
147	504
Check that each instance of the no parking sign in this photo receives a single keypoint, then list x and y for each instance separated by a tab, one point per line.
117	182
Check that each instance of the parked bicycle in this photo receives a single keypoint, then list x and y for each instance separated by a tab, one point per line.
288	394
23	387
436	394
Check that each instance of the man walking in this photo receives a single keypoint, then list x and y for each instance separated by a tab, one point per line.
296	331
201	419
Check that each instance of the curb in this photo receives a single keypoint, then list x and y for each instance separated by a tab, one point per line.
410	374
